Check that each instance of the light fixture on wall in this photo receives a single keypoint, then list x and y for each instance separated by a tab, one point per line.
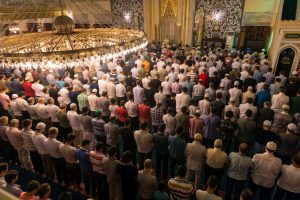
217	16
127	16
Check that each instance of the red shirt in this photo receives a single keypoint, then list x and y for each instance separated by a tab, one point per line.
121	114
144	113
204	78
28	90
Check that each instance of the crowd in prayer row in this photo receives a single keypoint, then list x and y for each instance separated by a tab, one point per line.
166	123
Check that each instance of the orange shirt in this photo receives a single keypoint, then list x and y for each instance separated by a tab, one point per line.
146	66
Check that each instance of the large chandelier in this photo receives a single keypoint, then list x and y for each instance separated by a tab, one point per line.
67	42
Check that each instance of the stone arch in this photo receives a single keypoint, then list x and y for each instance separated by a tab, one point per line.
279	65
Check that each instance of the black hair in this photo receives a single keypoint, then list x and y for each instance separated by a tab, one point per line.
181	171
32	185
85	142
212	181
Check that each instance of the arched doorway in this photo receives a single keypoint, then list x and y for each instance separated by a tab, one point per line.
285	61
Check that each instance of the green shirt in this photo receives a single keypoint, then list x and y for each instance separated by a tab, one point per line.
82	101
63	119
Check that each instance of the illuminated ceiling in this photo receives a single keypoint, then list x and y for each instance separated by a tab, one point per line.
83	11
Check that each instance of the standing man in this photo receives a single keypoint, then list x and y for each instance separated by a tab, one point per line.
75	123
144	144
146	181
52	146
160	141
289	180
266	168
83	155
176	147
182	99
239	165
138	93
195	154
72	165
179	188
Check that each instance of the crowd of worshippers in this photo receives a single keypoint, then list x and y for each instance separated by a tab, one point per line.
204	117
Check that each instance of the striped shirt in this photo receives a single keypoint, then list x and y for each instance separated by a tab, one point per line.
180	189
97	160
27	139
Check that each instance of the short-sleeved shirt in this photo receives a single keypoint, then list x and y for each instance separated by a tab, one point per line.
204	195
238	166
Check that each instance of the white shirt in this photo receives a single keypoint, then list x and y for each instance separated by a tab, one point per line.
52	110
266	168
52	146
131	109
204	107
38	140
160	98
166	87
278	100
247	106
120	90
64	93
93	102
111	90
22	104
182	100
102	86
38	89
74	120
13	105
144	141
236	94
41	111
290	178
204	195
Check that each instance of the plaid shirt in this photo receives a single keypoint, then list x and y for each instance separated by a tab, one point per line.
228	128
156	116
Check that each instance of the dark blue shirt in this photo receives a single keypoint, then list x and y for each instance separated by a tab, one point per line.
261	97
84	159
177	147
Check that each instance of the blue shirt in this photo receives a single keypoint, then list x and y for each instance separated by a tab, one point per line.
177	147
84	159
211	123
261	97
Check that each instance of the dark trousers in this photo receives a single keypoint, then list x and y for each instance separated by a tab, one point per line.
63	133
25	115
60	170
174	163
227	146
8	152
119	99
34	123
264	193
134	123
87	181
218	172
142	158
74	174
162	165
239	186
36	162
100	181
281	193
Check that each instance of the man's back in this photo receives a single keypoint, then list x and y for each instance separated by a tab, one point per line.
147	184
204	195
180	189
266	168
